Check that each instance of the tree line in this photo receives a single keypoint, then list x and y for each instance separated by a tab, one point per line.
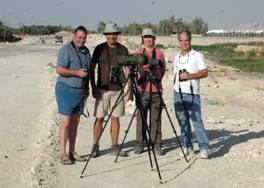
42	29
6	34
164	27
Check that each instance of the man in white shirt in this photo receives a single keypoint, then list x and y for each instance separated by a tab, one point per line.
189	68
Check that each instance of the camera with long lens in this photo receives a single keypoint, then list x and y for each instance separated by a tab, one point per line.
182	71
132	61
128	60
154	63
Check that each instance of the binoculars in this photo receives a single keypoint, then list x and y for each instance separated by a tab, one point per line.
181	71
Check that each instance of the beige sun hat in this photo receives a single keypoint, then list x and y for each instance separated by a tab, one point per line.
111	27
148	32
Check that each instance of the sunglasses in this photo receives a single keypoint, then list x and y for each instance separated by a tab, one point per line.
148	36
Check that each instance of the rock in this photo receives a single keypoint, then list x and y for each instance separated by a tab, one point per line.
222	117
50	65
48	163
33	170
15	76
20	148
235	123
6	156
216	86
242	121
210	120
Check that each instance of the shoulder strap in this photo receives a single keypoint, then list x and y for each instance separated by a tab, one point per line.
75	49
146	57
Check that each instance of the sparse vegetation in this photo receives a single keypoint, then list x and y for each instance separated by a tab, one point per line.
249	61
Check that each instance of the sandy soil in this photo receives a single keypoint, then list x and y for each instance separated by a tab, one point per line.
232	104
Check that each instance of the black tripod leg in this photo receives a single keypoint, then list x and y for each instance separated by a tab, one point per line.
98	139
95	145
149	154
139	105
154	154
174	130
126	132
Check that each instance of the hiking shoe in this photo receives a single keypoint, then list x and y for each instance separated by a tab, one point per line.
204	154
158	150
139	148
187	151
96	152
115	149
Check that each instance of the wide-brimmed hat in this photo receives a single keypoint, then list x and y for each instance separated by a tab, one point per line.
148	32
111	27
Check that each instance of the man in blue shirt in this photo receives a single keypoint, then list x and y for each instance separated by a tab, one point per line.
71	91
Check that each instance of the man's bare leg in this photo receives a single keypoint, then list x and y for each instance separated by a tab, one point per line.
75	119
64	133
115	127
98	126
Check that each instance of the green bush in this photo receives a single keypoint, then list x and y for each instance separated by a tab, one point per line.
225	54
160	46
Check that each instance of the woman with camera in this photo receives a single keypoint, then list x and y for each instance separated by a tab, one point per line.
150	89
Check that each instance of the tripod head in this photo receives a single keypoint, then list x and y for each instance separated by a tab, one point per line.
149	76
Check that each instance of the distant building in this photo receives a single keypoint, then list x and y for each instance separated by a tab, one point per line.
235	33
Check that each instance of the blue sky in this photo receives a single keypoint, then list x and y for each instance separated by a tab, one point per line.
218	14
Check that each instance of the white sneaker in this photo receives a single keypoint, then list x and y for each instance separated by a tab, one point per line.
204	154
187	151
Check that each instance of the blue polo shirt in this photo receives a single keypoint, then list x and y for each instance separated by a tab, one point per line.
68	58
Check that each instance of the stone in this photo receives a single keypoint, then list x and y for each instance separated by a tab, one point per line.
15	76
216	86
210	120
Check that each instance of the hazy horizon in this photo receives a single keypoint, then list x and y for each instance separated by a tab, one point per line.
218	14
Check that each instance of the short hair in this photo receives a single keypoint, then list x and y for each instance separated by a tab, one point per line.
81	28
187	32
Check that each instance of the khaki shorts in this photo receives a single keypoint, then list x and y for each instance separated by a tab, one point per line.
105	103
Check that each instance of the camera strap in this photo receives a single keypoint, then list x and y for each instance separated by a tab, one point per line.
79	58
146	57
191	87
84	79
142	78
108	57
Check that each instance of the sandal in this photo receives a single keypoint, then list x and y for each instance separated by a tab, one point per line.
75	157
65	159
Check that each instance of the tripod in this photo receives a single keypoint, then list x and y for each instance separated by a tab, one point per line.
150	78
118	100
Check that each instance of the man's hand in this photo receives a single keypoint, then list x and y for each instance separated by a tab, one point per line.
95	92
82	73
199	75
186	76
